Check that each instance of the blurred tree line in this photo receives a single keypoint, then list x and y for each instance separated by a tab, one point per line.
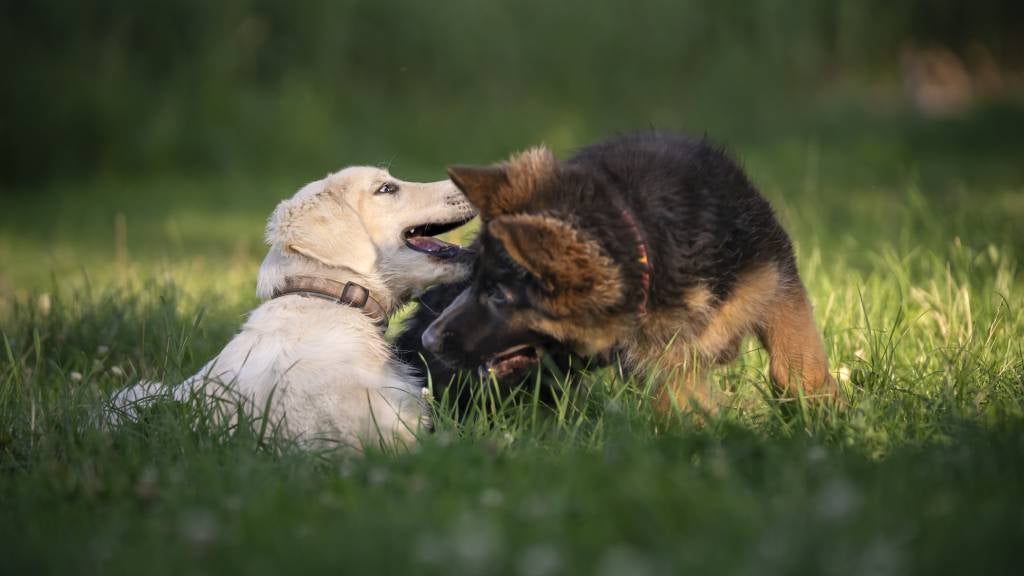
138	86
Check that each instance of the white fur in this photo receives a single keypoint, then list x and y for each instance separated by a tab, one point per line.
324	370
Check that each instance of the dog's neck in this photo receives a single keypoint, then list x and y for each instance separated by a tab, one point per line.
278	266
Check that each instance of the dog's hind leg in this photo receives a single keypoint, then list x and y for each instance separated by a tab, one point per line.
795	348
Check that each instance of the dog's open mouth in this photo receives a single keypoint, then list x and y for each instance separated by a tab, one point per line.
513	360
422	238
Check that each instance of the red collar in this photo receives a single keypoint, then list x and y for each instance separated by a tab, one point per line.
643	258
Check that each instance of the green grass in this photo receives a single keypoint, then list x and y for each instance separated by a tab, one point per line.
912	262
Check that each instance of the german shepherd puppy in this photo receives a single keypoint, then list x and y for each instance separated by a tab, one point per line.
653	245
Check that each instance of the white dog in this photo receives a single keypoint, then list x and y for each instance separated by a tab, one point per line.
345	252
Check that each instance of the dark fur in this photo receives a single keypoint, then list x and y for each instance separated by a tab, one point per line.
560	262
408	346
448	380
702	218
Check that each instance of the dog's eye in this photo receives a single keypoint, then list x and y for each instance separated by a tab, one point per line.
387	188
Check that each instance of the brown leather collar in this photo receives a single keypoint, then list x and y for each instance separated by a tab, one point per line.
347	294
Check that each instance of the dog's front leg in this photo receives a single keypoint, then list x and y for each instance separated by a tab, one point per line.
799	364
684	386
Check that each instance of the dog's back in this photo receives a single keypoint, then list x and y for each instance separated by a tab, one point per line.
702	220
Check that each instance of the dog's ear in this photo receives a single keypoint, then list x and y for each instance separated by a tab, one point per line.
482	186
570	264
324	228
505	188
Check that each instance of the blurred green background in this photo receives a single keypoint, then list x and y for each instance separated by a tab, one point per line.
140	131
197	87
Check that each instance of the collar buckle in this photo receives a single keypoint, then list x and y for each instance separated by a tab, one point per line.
354	295
350	294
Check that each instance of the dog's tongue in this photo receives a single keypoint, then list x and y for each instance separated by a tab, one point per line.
429	243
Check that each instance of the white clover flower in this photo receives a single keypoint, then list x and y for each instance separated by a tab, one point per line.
44	304
844	373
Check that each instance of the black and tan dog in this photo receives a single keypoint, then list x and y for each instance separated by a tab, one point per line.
655	245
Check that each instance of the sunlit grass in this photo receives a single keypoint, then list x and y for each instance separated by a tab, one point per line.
918	295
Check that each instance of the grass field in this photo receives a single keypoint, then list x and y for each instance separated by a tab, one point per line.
909	242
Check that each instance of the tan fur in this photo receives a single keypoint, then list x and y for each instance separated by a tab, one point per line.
590	338
796	351
571	264
527	172
505	188
662	346
321	227
657	333
682	346
699	298
754	294
685	387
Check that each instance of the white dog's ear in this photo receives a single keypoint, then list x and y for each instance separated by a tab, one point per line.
324	228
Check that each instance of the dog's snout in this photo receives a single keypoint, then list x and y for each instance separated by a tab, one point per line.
439	336
460	203
433	338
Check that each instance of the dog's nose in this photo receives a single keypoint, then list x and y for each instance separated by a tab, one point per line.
433	338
